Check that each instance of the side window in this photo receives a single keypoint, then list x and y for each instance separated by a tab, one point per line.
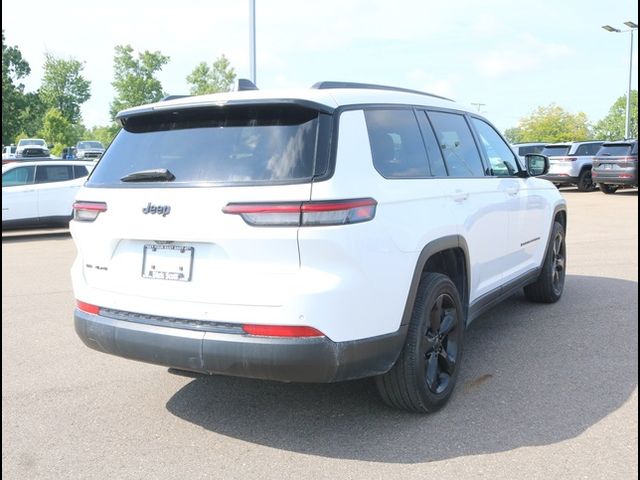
436	162
18	176
457	144
80	171
53	173
588	149
396	143
501	158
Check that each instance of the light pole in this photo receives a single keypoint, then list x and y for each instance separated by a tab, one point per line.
252	40
632	28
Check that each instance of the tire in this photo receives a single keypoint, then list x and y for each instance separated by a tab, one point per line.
424	375
608	189
549	286
585	182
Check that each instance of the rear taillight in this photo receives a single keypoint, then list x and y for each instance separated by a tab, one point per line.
296	214
281	331
88	211
87	307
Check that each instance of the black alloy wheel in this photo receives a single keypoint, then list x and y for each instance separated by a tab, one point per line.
439	344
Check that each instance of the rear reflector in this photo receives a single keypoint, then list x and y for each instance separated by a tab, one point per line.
281	331
88	211
285	214
87	307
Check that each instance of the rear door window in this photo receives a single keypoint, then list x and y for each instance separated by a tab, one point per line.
457	144
80	171
588	149
53	173
396	143
232	145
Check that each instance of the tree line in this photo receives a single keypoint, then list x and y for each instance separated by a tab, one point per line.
53	111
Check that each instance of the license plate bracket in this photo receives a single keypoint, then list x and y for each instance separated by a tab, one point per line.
167	262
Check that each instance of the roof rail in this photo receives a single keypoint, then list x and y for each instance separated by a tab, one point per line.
173	97
243	84
326	85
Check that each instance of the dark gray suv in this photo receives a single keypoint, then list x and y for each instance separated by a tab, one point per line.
616	165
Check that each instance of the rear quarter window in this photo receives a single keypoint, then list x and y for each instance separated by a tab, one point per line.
233	145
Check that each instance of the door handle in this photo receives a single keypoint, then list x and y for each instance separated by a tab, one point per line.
460	196
513	191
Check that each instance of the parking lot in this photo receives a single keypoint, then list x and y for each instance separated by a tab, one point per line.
546	391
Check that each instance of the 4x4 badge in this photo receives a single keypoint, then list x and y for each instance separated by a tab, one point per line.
163	210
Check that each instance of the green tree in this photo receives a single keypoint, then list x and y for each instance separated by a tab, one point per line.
63	86
551	124
612	127
134	79
32	114
57	129
104	133
513	135
14	68
217	78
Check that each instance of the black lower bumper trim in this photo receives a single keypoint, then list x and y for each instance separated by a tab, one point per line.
317	360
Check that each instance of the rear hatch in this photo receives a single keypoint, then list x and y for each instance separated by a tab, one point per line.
616	156
160	189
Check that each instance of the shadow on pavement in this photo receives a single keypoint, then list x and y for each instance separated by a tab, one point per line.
532	375
20	236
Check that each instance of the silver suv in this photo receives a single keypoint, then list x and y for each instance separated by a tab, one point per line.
571	163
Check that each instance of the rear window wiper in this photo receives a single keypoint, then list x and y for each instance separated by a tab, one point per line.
155	175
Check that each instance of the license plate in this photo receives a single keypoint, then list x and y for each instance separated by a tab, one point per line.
167	262
607	166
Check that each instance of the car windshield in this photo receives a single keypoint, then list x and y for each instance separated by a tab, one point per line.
32	141
555	150
85	145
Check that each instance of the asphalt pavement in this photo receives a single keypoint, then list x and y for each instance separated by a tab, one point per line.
546	391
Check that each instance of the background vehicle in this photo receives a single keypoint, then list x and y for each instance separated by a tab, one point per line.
571	163
32	147
89	149
523	149
9	152
311	235
40	193
616	165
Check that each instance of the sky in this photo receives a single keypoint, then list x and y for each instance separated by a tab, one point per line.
509	56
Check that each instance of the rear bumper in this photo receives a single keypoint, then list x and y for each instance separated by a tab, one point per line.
317	360
560	178
615	178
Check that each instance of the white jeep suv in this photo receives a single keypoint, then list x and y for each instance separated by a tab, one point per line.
317	235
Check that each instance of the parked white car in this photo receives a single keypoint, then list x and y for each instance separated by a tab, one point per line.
317	235
32	147
41	193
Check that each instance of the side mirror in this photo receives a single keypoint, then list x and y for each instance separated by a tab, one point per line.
536	164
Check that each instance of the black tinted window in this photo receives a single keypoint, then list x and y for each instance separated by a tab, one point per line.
588	149
396	144
501	158
80	171
458	147
556	151
53	173
18	176
614	150
235	145
530	149
436	162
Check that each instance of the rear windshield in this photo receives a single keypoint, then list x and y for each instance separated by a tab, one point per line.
525	150
615	150
232	145
559	151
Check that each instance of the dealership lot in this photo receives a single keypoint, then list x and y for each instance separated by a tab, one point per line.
546	391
